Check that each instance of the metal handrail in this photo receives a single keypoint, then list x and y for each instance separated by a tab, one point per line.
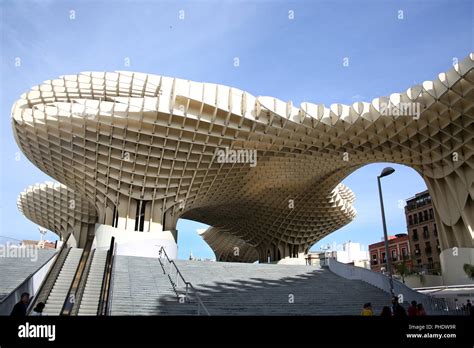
105	289
108	305
187	284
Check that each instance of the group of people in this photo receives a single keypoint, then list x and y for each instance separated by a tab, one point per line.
20	309
397	310
415	309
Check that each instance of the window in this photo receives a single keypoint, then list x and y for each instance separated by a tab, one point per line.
404	253
435	230
426	234
115	217
428	247
383	258
374	259
420	217
415	218
140	216
417	249
394	255
425	215
418	261
430	263
431	214
415	235
410	220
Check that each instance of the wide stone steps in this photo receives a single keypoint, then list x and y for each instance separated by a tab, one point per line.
58	294
16	264
141	288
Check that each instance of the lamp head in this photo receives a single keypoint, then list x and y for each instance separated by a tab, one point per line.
386	171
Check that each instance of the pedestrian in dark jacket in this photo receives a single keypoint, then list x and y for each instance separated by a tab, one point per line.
19	310
412	310
397	308
420	310
386	312
38	310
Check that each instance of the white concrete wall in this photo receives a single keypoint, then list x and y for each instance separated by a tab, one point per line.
414	281
452	262
132	243
352	252
292	261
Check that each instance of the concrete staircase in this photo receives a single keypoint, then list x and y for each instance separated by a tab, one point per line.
90	298
16	265
269	289
138	285
58	294
141	288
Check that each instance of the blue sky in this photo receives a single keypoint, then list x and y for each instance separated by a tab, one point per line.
299	59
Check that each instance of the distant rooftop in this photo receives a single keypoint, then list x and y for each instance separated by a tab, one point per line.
419	200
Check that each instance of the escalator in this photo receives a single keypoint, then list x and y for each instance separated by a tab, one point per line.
89	291
55	300
89	302
52	275
78	283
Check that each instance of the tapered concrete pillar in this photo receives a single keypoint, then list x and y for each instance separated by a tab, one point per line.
452	197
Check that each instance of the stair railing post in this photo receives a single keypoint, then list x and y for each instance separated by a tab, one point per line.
188	286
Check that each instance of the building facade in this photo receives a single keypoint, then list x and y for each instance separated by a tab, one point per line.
351	253
423	233
399	251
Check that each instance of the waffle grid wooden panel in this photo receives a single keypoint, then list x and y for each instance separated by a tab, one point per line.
120	139
58	208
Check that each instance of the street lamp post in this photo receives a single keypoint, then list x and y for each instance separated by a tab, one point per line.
385	172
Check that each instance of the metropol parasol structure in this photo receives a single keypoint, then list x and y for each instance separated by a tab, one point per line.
132	153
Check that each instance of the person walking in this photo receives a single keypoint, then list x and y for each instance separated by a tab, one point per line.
420	311
386	312
367	310
19	310
412	309
397	308
38	310
468	307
